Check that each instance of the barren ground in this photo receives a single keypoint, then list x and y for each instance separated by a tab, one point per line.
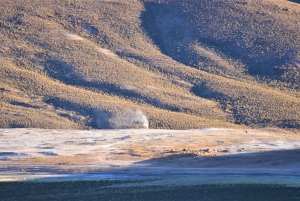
26	153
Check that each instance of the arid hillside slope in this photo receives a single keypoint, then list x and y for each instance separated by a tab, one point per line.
82	64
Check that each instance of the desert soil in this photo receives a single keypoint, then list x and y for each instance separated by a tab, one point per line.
25	152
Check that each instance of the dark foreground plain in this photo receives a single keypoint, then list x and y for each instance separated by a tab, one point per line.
109	190
137	164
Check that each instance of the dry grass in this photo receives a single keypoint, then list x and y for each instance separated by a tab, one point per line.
186	64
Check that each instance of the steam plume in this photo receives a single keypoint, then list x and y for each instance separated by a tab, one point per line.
129	119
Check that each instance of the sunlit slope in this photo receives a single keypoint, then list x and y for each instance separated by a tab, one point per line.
78	64
76	105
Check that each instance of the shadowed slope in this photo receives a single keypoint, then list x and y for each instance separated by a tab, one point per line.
228	37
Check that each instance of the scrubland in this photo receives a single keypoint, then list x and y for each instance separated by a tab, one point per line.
185	64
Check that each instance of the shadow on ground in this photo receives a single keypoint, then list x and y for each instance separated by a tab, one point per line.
192	158
285	162
158	183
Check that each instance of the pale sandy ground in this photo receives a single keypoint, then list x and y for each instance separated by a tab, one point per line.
36	152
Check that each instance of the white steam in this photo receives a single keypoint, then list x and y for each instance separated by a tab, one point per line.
129	119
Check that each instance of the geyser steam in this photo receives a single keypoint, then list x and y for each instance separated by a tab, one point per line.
129	119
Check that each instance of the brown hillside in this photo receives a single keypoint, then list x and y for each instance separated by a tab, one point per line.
81	64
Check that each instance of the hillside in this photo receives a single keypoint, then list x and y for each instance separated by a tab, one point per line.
81	64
